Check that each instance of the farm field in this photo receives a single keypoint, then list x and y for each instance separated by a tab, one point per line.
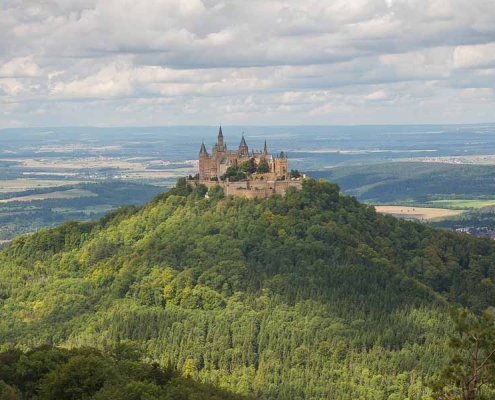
89	210
62	194
18	185
28	211
418	213
126	167
462	204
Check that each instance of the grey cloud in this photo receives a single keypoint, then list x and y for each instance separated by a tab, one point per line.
275	61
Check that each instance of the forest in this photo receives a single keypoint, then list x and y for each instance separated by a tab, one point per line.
412	182
47	373
310	296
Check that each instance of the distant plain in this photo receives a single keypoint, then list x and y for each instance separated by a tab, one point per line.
54	174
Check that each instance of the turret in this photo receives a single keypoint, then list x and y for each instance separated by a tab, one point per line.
243	147
220	142
265	149
204	163
281	165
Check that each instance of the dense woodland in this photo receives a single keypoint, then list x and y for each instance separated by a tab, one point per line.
311	296
48	373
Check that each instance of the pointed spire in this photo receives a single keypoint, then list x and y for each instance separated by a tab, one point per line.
220	136
243	142
265	149
203	149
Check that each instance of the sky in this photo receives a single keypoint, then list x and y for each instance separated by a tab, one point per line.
257	62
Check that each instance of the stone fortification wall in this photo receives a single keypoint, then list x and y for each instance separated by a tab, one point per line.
252	188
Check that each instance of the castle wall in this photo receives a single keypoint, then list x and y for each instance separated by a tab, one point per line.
250	188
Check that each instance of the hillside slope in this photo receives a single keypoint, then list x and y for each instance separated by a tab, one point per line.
417	182
311	296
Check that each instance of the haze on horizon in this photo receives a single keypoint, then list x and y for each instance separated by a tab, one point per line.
163	62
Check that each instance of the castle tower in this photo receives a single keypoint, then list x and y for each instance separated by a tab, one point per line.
243	148
220	142
281	165
220	148
204	163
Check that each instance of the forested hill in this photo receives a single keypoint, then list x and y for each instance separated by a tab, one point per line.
311	296
417	182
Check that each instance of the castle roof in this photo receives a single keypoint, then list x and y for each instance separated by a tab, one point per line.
220	134
203	149
243	142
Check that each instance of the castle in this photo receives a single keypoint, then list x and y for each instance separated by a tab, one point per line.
244	172
215	165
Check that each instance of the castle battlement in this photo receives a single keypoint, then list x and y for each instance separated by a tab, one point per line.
245	172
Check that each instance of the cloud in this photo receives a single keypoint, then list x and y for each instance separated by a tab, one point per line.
378	95
478	56
201	61
19	67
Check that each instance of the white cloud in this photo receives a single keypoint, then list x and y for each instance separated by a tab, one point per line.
19	67
475	56
201	61
378	95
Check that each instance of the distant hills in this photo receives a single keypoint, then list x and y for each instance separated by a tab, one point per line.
310	296
413	182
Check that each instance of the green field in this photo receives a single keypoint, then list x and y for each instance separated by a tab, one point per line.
462	203
17	185
28	211
61	194
96	209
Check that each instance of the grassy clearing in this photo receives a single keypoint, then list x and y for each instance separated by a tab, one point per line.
63	194
18	185
419	213
464	204
96	209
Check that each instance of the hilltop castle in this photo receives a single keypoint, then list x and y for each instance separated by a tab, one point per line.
216	164
245	172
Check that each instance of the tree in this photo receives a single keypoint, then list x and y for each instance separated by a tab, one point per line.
8	392
216	193
200	191
248	166
234	174
189	368
294	173
263	166
471	370
182	188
